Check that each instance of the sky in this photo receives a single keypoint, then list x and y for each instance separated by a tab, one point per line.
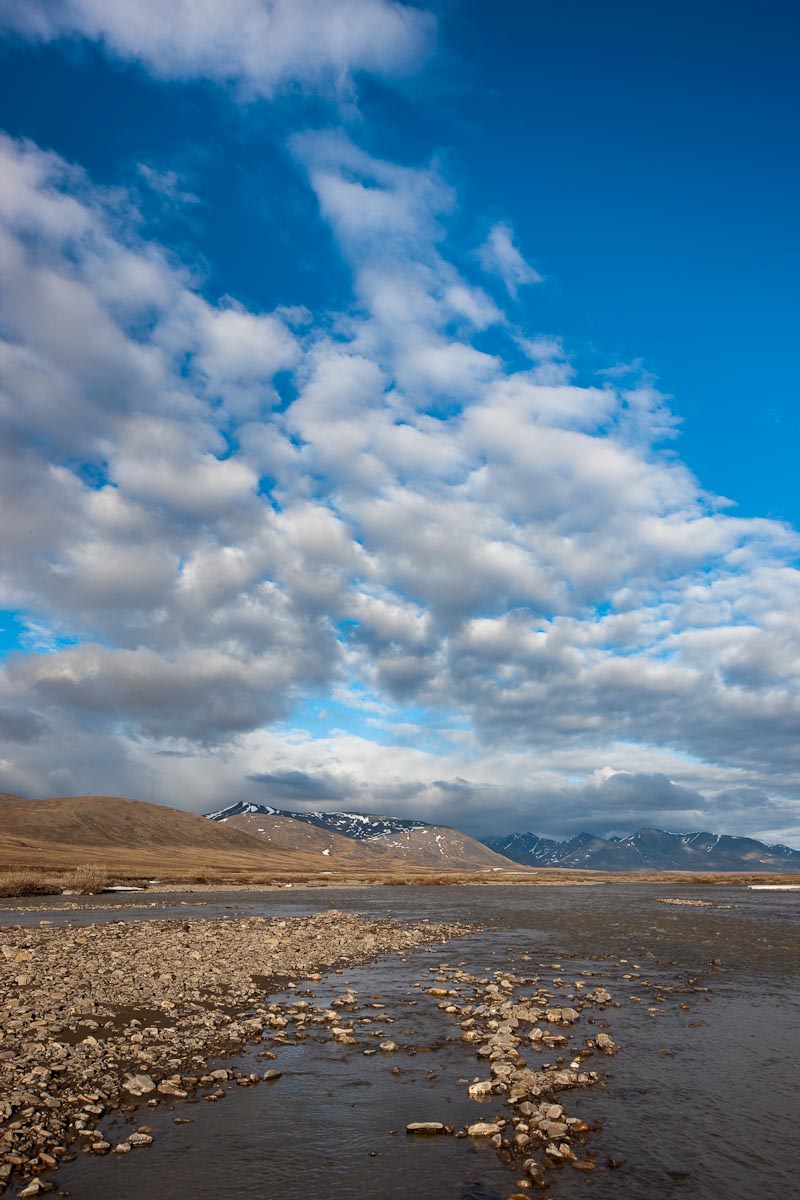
399	409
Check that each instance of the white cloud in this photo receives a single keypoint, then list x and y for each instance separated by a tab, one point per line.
507	551
499	256
260	46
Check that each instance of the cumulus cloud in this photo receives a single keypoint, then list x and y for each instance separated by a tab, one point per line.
500	561
261	46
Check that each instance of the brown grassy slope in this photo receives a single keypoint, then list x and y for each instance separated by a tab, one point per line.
441	848
434	848
114	821
131	837
284	833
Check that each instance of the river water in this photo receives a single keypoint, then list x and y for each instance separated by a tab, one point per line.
701	1103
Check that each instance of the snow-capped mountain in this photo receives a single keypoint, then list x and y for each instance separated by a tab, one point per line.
362	827
363	840
648	849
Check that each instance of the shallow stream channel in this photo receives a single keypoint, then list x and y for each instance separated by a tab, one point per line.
700	1101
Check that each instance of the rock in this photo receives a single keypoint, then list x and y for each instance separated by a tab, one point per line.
484	1129
389	1046
122	1148
170	1089
480	1090
140	1139
139	1085
606	1043
273	1074
428	1127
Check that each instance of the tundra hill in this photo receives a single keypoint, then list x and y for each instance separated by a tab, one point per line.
132	837
391	842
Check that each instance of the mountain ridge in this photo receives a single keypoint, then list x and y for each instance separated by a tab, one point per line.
648	849
359	826
383	838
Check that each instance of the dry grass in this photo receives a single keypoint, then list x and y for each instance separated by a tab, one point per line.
27	883
87	880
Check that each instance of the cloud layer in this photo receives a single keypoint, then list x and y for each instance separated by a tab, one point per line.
258	46
518	605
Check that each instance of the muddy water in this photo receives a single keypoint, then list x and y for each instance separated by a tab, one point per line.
702	1101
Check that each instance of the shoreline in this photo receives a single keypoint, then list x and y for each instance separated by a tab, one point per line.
134	896
96	1019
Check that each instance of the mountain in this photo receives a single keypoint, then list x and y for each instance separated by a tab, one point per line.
385	840
282	831
648	849
362	827
131	838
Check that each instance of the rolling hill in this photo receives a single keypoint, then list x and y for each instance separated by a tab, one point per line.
133	838
126	836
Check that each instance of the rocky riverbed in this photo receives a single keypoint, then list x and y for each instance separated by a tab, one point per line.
107	1017
553	1048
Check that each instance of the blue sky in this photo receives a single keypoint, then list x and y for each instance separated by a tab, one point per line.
647	159
436	429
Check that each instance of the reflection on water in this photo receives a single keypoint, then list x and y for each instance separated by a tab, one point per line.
701	1103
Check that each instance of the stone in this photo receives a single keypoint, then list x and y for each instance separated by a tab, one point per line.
139	1085
484	1129
140	1139
428	1127
170	1089
606	1043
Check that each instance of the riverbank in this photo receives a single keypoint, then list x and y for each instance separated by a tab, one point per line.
99	882
100	1018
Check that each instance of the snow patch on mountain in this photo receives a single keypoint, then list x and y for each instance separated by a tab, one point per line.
361	827
648	849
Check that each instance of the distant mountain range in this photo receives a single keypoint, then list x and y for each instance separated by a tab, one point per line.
134	838
648	849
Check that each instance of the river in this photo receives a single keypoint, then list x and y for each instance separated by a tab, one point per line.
701	1103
